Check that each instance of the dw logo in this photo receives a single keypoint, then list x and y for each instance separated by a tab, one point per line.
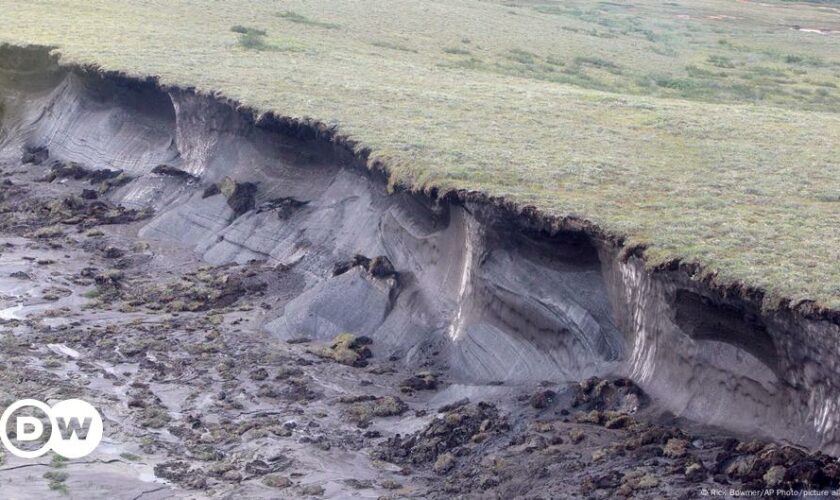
75	428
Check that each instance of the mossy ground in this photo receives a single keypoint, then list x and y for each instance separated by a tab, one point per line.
707	130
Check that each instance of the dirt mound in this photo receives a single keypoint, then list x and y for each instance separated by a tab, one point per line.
241	196
76	171
619	395
460	427
759	466
35	155
378	267
348	349
206	289
170	171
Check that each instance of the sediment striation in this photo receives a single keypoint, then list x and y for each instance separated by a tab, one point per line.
487	290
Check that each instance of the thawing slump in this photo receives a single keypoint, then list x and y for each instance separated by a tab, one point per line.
457	282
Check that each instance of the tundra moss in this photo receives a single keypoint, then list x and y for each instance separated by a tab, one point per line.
660	151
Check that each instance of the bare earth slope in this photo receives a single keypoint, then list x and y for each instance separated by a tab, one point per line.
705	131
256	316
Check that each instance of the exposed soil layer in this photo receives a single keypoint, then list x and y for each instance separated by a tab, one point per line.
252	309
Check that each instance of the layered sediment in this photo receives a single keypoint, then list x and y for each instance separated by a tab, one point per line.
479	288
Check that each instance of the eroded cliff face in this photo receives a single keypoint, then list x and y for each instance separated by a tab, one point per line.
475	288
721	360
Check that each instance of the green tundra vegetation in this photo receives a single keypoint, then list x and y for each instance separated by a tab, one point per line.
707	130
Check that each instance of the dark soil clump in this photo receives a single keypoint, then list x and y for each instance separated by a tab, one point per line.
454	429
170	171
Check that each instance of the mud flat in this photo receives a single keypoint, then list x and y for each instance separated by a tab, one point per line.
256	313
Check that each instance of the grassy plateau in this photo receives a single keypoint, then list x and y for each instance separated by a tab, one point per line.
708	130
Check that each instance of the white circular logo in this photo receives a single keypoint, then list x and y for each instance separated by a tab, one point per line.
75	428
